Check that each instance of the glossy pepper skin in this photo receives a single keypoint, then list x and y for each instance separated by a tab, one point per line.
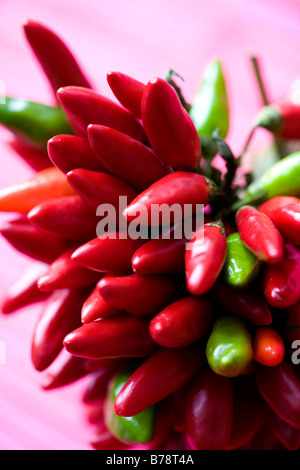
127	90
268	347
209	412
170	130
259	234
229	347
205	257
284	211
158	376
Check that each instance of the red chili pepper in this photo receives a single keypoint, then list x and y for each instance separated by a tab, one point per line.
125	157
280	387
246	303
110	253
65	370
205	257
66	217
95	308
68	152
209	412
98	383
55	58
84	106
284	211
157	377
24	291
33	242
282	280
138	294
97	188
171	131
176	189
60	315
127	90
119	336
182	322
268	347
281	118
264	439
176	402
35	157
65	272
287	435
259	234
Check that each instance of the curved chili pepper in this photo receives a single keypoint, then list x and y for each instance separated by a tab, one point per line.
118	336
84	106
169	128
138	294
259	234
68	152
24	291
42	186
287	435
95	308
32	121
205	257
97	387
268	347
55	58
283	119
64	370
33	242
127	90
165	371
209	412
110	253
37	158
182	322
241	265
229	346
281	281
280	387
284	211
125	157
60	315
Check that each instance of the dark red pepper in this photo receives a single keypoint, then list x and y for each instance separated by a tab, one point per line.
127	90
287	435
95	307
36	157
65	370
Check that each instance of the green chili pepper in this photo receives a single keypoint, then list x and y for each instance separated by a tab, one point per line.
33	121
241	265
133	429
229	347
210	109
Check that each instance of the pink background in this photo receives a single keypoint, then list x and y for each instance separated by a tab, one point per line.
143	39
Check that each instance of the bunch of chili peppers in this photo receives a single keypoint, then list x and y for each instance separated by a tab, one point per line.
185	342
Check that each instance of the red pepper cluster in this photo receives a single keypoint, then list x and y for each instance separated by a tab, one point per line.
151	302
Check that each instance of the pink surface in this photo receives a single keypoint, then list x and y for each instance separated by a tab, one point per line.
143	39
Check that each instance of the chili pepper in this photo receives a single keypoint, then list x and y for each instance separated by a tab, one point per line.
205	257
264	439
125	157
229	347
54	57
170	130
177	405
259	235
36	157
284	211
97	188
119	336
280	387
210	109
95	307
33	242
282	119
246	303
103	440
287	435
241	265
65	272
127	90
209	412
110	253
165	371
268	347
130	429
42	186
97	387
65	370
84	106
68	152
176	189
32	121
162	429
138	294
60	315
24	291
281	281
66	217
182	322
